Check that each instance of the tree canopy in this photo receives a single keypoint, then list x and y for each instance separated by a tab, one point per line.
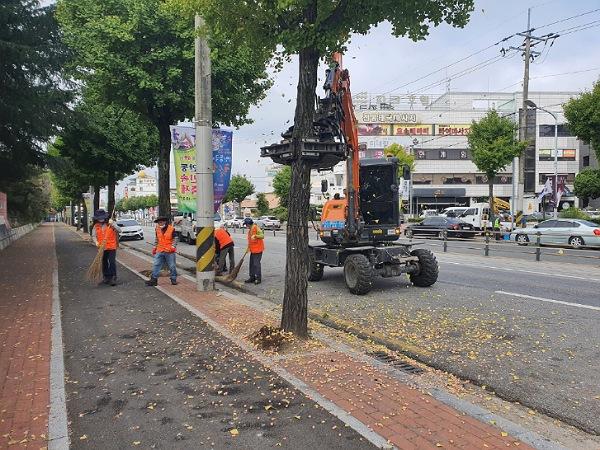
281	185
262	205
493	146
33	96
240	187
107	141
587	183
140	54
583	116
405	159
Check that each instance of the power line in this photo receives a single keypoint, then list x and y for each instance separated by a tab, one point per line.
577	26
555	75
448	65
567	18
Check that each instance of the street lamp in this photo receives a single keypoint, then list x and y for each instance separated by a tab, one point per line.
555	187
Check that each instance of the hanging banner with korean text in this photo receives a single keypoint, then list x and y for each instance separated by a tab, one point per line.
183	144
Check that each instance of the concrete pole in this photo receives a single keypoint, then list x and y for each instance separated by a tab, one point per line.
205	245
555	165
519	179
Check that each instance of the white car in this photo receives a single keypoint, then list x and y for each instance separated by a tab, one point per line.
573	232
269	222
235	222
130	229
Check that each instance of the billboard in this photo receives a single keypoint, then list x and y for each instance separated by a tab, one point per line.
183	145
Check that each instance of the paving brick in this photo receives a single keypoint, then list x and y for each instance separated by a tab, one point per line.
25	313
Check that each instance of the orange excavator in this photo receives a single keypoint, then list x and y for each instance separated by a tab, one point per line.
359	232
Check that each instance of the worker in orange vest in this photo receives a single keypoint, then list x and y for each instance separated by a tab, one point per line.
164	250
105	231
224	246
256	246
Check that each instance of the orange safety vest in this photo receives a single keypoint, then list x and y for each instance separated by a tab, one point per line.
165	240
223	237
255	245
109	234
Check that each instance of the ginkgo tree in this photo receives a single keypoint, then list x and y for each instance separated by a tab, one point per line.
313	30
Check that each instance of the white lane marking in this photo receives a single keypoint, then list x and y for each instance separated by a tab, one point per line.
549	300
534	272
58	434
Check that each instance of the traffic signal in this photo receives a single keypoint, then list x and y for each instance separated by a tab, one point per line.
406	172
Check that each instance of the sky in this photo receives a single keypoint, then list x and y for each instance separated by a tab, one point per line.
379	62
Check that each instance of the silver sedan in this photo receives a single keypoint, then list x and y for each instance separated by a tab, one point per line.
573	232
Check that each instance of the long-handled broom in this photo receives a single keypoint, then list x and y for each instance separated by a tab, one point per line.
236	270
94	272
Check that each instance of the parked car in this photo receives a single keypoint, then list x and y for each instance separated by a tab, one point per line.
235	222
573	232
269	222
440	227
188	228
130	229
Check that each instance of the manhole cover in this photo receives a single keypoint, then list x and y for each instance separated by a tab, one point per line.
397	363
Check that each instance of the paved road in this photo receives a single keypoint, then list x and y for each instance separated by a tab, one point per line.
497	321
143	371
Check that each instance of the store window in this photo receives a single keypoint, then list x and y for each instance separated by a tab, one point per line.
548	131
544	176
564	154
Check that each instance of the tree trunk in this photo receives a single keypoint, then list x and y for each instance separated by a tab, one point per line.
85	220
491	199
96	198
111	192
78	215
72	214
164	162
294	316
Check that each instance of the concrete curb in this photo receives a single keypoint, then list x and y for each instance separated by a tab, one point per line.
58	432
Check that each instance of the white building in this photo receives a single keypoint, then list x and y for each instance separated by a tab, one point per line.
435	131
141	185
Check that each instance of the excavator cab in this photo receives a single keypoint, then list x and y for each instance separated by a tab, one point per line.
378	208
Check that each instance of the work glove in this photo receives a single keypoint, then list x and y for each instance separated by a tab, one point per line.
154	251
110	221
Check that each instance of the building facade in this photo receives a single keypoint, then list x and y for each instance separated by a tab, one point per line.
141	185
435	130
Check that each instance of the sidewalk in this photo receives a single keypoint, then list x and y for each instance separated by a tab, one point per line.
26	281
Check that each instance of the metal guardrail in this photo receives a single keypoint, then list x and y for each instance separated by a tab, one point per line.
15	233
495	241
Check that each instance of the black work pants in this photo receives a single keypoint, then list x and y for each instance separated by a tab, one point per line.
255	271
223	257
109	263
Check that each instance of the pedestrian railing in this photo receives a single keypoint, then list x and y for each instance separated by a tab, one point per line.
13	234
496	242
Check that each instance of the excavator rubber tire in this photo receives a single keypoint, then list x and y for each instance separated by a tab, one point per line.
428	268
315	270
358	274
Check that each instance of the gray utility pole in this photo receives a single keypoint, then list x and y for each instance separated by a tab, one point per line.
205	225
528	55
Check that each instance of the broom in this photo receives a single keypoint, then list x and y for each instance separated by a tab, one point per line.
94	272
236	270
